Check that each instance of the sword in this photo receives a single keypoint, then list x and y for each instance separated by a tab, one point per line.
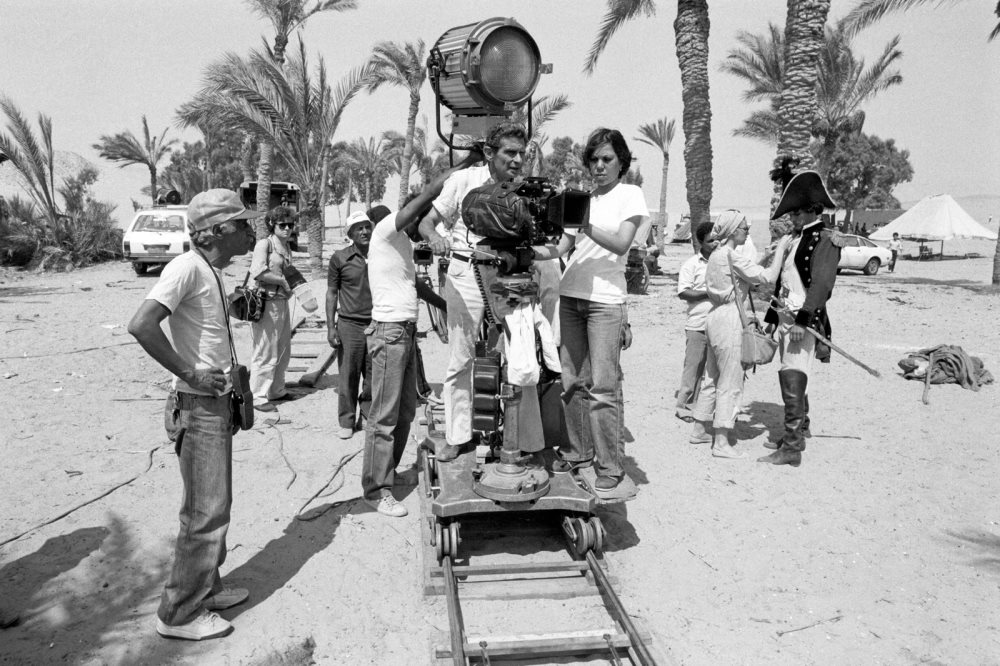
826	341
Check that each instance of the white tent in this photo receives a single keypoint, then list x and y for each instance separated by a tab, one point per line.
934	218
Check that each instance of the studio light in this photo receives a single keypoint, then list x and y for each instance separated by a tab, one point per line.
484	71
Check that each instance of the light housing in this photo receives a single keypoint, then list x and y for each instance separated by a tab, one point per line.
486	68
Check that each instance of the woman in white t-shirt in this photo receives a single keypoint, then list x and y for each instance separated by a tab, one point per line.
272	335
592	311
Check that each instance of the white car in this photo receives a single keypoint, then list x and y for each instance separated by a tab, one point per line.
156	236
861	254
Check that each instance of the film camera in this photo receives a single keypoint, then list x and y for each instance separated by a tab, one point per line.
512	216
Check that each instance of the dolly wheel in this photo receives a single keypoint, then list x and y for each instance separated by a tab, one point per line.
438	542
583	538
453	539
597	530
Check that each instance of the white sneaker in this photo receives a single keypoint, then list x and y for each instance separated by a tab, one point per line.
388	506
345	433
207	625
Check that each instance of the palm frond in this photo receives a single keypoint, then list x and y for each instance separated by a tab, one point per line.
619	12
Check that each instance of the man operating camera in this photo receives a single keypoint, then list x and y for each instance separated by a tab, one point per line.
504	151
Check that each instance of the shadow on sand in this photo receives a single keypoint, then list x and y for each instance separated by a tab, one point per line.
987	545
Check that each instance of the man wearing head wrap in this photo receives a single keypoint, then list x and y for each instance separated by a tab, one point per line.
804	286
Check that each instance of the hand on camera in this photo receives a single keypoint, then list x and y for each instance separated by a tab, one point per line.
439	244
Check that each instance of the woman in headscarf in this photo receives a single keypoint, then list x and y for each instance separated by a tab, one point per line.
728	277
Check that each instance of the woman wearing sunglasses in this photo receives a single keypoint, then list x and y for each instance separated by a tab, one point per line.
272	335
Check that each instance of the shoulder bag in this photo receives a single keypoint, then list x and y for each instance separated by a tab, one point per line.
249	302
241	398
757	348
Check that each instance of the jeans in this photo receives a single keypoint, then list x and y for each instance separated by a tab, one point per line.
199	426
394	403
272	350
355	365
695	354
591	377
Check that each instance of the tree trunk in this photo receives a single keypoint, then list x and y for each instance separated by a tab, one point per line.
661	230
264	169
691	31
314	231
152	183
407	159
804	25
996	262
246	158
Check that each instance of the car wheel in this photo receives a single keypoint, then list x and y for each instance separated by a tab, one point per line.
138	267
871	268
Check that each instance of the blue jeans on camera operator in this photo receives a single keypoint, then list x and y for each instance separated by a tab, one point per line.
591	336
394	403
200	427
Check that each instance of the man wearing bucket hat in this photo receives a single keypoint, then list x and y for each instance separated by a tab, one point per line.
348	314
190	296
804	285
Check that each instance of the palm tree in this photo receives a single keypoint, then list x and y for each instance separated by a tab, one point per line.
543	111
402	65
843	85
660	135
373	160
805	23
293	107
868	12
33	159
691	27
125	148
285	16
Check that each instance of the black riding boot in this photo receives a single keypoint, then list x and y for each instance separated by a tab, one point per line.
793	394
806	423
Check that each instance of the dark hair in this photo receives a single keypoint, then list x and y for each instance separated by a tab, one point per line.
376	213
277	214
505	130
603	135
704	229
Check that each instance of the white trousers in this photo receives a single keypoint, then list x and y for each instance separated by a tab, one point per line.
272	341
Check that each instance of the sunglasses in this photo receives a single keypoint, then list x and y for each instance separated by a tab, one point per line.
285	225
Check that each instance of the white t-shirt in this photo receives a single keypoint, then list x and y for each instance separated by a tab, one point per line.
692	276
449	204
391	273
593	273
197	321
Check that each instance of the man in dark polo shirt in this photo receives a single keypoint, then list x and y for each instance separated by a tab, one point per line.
348	314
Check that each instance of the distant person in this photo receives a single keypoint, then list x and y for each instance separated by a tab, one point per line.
691	289
895	246
804	286
272	334
348	314
190	296
864	230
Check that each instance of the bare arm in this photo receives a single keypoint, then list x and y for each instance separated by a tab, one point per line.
439	244
618	241
411	211
146	328
565	244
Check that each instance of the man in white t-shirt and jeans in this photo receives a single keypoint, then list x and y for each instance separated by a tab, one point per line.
504	150
190	297
392	345
692	290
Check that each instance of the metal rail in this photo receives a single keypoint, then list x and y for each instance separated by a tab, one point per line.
573	643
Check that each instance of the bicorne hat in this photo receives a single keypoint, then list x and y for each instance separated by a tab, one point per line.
805	188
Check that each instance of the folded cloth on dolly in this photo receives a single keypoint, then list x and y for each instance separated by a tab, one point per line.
946	364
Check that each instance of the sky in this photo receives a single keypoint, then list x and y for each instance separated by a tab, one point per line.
97	66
